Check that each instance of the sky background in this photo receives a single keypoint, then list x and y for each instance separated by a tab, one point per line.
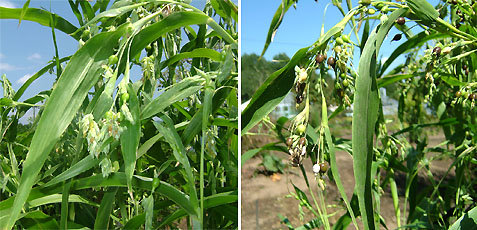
300	27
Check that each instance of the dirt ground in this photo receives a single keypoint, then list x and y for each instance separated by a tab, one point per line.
264	197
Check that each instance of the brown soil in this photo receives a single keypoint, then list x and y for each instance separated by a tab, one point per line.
264	197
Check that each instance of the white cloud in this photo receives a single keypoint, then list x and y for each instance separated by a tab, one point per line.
1	56
34	57
7	67
7	3
24	78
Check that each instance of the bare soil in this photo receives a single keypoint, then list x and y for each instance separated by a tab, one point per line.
265	196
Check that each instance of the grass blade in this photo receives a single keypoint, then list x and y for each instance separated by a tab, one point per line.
107	203
79	76
365	113
130	136
333	165
24	10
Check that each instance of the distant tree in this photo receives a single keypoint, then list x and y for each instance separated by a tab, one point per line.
255	71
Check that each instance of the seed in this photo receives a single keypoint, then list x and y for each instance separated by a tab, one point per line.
320	58
401	21
125	97
458	93
346	38
316	168
113	59
371	11
464	67
345	83
446	50
467	72
289	141
324	166
331	62
302	141
339	40
454	2
301	129
437	51
458	12
337	49
397	37
299	99
472	96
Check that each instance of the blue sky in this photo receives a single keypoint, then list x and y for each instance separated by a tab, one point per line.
300	27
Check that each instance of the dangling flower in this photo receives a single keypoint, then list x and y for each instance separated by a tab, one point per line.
106	167
301	74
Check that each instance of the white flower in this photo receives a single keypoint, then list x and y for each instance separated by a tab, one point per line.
106	167
316	168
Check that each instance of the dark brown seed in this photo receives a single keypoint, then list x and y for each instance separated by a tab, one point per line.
454	2
299	99
289	141
324	166
472	96
458	93
401	21
437	51
397	37
320	58
458	12
331	62
302	141
467	72
300	87
464	67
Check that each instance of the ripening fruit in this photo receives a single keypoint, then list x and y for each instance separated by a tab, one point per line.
464	67
108	115
324	166
346	38
437	51
458	93
320	58
301	129
316	168
371	11
113	59
472	96
339	40
345	83
401	21
302	141
148	48
331	61
125	97
289	141
338	49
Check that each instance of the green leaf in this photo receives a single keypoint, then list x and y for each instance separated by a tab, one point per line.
365	113
276	21
24	10
107	204
38	220
130	136
83	165
79	76
271	92
199	52
423	10
467	221
176	92
333	164
148	204
42	17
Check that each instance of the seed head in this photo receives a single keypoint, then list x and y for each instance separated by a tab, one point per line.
331	61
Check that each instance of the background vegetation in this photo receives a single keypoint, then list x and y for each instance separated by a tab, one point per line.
106	152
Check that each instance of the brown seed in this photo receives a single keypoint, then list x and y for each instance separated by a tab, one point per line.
454	2
324	166
397	37
299	99
467	72
320	58
472	96
302	141
401	21
437	51
289	141
464	67
331	62
458	12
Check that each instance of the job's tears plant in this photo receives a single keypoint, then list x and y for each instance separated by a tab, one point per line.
110	149
435	87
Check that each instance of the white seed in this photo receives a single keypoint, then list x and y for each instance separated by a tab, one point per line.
316	168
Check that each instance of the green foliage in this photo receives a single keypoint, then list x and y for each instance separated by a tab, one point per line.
106	152
272	163
436	88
